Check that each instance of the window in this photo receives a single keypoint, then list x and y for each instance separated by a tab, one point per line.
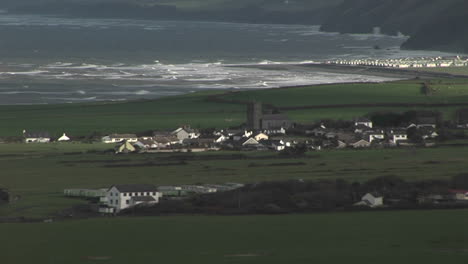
153	193
127	201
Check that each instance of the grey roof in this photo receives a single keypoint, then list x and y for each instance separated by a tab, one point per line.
143	199
363	119
135	187
275	117
33	134
122	136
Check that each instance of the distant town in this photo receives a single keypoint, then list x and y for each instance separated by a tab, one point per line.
423	62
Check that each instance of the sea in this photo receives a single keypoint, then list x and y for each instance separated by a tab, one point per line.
51	59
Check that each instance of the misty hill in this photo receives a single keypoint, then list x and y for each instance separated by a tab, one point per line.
432	24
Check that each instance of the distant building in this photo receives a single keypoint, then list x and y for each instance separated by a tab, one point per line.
370	200
116	138
363	121
63	138
125	147
257	120
185	133
36	137
119	197
254	115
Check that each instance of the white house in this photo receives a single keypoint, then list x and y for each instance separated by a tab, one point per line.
119	197
116	138
63	138
370	200
363	121
36	137
260	136
397	136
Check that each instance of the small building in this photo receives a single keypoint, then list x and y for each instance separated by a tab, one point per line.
260	136
361	143
249	142
117	138
396	136
370	200
124	196
63	138
363	121
125	147
36	137
185	133
459	195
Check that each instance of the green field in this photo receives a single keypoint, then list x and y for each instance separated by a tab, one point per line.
450	70
196	110
430	237
39	173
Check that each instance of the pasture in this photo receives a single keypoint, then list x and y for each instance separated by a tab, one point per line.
39	173
360	237
303	104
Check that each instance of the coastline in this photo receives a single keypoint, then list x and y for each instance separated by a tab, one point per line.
403	74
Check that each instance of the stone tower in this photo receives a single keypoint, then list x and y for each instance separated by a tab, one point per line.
254	115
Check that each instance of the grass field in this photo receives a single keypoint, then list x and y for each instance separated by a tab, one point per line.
450	70
196	110
39	173
430	237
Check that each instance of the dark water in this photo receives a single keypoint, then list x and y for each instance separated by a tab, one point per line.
57	60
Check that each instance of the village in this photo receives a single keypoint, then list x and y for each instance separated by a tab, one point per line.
265	130
268	131
423	62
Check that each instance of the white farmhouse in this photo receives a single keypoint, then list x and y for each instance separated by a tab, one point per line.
363	121
396	136
36	137
116	138
119	197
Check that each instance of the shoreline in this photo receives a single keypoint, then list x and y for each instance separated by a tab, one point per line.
395	74
403	74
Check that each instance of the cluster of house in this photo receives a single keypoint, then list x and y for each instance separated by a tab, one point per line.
431	62
263	131
453	196
42	137
119	197
363	134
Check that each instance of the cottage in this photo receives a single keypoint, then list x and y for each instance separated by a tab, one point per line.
125	147
375	136
185	133
396	136
120	197
370	200
36	137
166	141
260	136
277	145
363	121
117	138
361	143
63	138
